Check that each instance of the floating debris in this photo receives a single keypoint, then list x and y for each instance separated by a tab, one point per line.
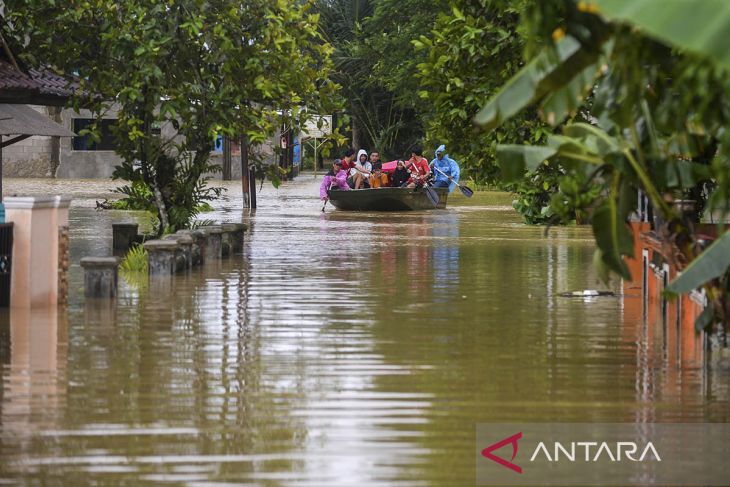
586	293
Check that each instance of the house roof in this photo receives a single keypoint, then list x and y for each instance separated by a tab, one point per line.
20	84
32	86
23	120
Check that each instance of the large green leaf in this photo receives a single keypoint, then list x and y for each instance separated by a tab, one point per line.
565	101
705	319
613	237
711	263
594	138
701	26
686	174
515	159
547	72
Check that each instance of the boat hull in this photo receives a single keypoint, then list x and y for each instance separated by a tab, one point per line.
386	199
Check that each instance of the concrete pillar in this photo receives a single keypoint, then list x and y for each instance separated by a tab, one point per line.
100	276
236	231
161	257
213	242
198	248
39	261
184	255
123	236
226	242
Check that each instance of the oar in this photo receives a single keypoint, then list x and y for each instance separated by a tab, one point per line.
328	197
431	195
465	190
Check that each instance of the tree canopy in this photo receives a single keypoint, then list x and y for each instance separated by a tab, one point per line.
376	65
201	67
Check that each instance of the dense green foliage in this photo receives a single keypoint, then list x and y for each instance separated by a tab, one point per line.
414	72
472	51
195	68
376	66
659	105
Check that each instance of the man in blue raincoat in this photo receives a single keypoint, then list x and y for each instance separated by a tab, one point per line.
445	170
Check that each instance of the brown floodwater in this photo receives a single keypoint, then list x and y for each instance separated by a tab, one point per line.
339	349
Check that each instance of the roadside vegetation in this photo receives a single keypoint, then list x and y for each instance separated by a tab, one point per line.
638	106
180	74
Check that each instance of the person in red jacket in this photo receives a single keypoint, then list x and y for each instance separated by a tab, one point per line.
348	161
417	165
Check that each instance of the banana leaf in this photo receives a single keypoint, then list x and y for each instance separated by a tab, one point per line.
515	159
711	263
550	70
699	26
565	101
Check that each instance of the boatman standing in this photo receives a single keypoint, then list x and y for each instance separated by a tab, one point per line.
445	170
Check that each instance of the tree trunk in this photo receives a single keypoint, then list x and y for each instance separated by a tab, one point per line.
355	129
147	157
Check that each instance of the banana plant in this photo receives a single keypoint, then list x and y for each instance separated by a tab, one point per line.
647	102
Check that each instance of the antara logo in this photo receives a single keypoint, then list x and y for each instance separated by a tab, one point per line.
588	451
487	452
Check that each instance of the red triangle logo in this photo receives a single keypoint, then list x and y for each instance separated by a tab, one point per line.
487	452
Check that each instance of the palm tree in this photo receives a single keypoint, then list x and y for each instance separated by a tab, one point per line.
377	120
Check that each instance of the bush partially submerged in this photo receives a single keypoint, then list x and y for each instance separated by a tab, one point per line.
135	262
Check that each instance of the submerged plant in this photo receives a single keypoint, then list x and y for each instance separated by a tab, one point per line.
135	261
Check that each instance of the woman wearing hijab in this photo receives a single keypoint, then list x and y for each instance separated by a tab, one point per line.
400	175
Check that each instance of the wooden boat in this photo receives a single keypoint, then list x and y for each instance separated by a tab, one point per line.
386	199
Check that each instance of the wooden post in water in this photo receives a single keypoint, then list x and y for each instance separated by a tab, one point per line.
226	170
252	185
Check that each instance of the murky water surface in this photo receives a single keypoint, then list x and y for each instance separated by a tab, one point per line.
340	349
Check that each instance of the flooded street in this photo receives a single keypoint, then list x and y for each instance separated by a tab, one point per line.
339	349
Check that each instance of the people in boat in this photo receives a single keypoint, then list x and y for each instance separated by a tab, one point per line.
417	165
445	169
378	179
375	158
335	178
400	175
348	160
360	173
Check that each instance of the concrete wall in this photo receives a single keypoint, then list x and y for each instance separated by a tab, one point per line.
29	158
85	164
32	157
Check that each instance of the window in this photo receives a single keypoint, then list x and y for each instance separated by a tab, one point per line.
84	142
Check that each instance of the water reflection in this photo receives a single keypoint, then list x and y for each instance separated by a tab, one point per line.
445	255
340	349
33	354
